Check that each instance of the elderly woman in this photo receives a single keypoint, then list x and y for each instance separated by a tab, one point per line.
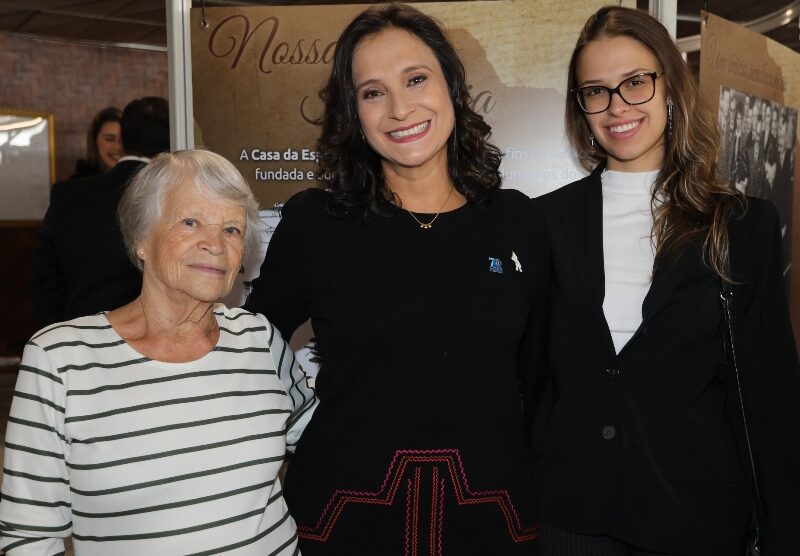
160	427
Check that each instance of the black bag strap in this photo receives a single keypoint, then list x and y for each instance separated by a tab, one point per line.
726	295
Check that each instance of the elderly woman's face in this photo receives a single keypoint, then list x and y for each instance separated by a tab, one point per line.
195	249
403	100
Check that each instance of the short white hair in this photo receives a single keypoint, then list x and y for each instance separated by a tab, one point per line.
140	207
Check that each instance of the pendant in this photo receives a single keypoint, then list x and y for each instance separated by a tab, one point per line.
424	226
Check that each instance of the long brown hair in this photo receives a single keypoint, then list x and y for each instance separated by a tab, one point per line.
689	203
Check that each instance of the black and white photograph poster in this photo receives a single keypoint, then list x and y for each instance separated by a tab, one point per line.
757	146
752	82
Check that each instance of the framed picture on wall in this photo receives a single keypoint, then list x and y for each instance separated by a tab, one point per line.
27	164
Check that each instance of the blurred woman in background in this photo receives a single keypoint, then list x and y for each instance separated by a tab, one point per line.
103	144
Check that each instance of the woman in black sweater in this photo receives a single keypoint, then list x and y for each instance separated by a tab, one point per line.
420	277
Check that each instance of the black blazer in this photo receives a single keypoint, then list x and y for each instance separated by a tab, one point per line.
81	267
647	445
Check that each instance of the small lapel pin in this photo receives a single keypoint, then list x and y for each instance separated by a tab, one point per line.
495	265
517	264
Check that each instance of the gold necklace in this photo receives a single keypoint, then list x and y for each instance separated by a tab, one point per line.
427	225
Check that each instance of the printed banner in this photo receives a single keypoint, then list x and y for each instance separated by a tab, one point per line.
257	72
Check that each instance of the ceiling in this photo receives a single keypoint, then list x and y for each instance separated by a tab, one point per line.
107	21
142	23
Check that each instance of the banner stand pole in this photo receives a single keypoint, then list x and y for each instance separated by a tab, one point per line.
666	11
179	55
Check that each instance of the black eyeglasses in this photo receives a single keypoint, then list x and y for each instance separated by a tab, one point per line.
638	89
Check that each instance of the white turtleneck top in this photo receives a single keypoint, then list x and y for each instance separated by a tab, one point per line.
627	249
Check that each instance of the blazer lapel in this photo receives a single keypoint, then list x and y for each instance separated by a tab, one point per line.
586	243
668	277
585	240
688	265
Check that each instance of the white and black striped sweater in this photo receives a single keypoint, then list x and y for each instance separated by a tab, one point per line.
135	456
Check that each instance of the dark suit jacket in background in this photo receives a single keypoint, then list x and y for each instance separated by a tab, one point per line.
647	445
753	163
726	167
81	266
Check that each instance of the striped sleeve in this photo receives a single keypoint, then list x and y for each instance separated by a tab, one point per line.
36	510
294	379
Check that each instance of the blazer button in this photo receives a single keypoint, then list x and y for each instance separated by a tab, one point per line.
609	432
613	373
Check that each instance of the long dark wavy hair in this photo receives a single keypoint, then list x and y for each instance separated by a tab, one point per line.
348	165
689	203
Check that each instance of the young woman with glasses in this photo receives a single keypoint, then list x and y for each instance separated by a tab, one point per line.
638	440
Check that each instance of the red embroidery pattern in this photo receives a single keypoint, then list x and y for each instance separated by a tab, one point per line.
412	514
441	514
437	496
387	494
415	515
409	507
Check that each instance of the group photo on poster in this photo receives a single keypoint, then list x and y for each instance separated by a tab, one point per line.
757	153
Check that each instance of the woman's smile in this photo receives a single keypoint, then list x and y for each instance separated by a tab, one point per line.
624	130
410	133
208	268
